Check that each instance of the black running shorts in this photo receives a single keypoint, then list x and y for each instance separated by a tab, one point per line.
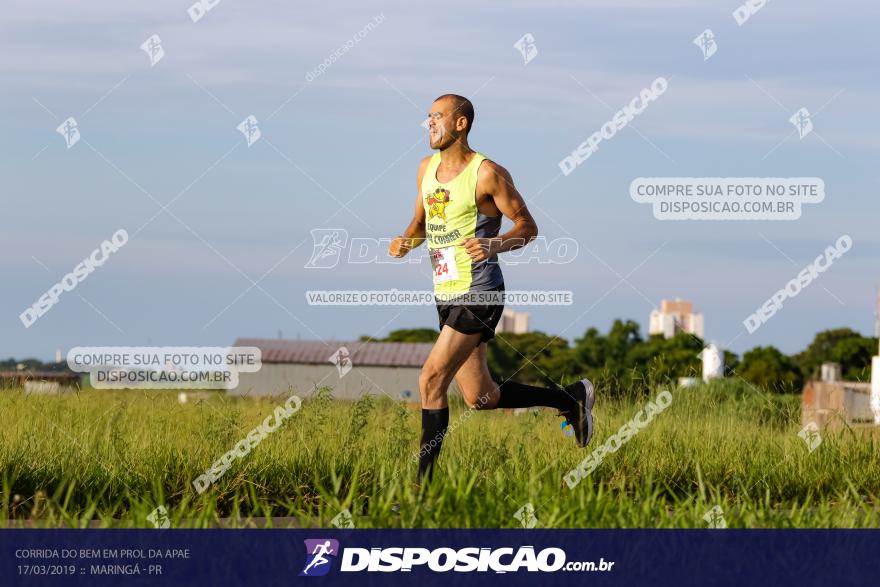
471	319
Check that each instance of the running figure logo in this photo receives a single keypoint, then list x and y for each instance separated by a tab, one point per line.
802	122
715	518
327	246
318	550
70	131
527	48
250	128
706	42
153	48
810	435
437	203
342	359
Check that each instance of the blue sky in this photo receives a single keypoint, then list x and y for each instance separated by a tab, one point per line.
353	135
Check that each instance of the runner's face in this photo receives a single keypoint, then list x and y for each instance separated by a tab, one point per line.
441	126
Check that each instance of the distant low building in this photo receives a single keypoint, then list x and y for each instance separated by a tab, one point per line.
41	382
833	404
676	316
513	322
350	369
836	405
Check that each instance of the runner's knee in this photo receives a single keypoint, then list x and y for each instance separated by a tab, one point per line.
433	379
480	398
479	403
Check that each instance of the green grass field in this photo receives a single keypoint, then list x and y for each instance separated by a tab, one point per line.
110	458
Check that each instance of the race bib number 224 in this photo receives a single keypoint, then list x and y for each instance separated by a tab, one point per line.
444	265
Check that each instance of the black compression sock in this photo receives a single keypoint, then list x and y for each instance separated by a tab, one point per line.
520	395
434	424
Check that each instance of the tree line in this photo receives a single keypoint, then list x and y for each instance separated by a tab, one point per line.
623	359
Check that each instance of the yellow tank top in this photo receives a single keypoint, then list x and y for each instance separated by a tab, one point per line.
451	217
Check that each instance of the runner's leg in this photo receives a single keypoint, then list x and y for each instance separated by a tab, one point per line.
480	392
450	351
477	388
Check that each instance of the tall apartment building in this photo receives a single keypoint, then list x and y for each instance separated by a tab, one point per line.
676	316
513	322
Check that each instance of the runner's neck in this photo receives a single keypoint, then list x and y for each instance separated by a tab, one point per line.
456	156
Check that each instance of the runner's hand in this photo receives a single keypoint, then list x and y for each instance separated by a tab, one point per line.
479	249
400	246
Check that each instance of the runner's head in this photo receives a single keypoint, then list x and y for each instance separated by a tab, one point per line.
450	120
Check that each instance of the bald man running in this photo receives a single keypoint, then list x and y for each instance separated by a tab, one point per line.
461	198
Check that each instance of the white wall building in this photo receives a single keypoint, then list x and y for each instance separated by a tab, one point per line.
875	387
713	361
877	316
349	368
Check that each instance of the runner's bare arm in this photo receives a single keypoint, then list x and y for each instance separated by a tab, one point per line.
496	182
414	235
